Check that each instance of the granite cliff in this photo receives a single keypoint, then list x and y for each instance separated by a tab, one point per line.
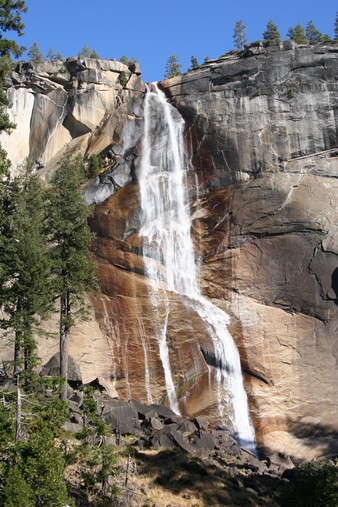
261	133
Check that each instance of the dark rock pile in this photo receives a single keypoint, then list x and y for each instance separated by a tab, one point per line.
157	427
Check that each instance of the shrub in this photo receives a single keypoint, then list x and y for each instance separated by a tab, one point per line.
314	485
123	78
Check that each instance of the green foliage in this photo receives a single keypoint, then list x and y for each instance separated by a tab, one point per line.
95	426
52	56
123	78
49	411
313	35
10	21
25	269
73	265
96	466
297	34
42	466
86	52
314	485
34	53
271	33
239	35
326	38
17	491
32	469
194	63
173	67
69	232
95	166
128	61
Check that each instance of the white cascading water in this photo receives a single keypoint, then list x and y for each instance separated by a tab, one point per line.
170	261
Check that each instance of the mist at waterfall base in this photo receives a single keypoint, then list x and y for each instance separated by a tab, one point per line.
170	263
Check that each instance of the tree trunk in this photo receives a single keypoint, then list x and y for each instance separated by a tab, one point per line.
18	432
64	339
17	350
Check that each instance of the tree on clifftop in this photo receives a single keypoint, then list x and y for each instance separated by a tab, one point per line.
297	34
271	33
313	35
71	237
173	67
86	52
35	54
239	35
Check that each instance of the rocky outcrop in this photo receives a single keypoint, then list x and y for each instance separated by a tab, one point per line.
261	131
80	104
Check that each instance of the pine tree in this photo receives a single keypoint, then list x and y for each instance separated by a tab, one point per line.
35	54
239	35
194	63
52	56
173	67
86	52
313	35
95	165
32	469
73	264
297	34
25	272
10	21
271	33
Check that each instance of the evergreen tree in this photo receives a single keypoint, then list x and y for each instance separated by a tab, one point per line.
239	35
173	67
35	54
297	34
271	33
124	59
10	21
194	63
95	165
86	52
25	272
32	468
313	35
52	56
69	232
326	38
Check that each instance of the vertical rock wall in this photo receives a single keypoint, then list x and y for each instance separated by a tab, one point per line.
262	135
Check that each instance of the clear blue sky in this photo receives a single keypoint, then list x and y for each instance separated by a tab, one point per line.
151	31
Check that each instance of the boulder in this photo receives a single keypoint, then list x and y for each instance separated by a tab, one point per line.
121	417
52	367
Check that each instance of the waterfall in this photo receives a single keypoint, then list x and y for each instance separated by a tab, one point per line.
169	257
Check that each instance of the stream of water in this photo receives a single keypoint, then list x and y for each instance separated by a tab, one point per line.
170	262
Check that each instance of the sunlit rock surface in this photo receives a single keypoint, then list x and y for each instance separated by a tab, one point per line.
54	105
263	137
261	132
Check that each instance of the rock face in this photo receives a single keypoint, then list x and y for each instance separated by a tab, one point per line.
76	104
261	131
